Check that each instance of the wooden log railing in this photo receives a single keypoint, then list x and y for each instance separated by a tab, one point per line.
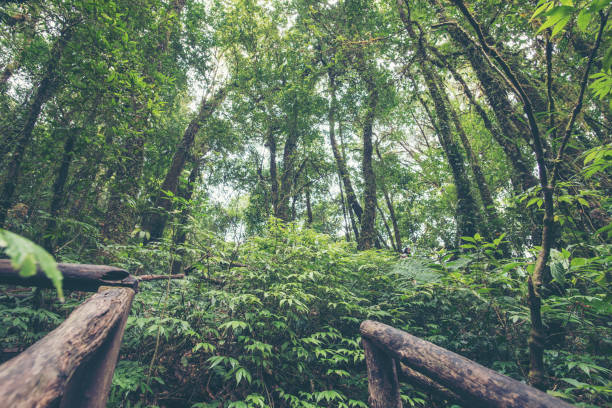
389	351
73	365
87	278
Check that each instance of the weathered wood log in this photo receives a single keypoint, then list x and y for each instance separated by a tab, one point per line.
146	278
75	359
383	385
87	278
428	385
91	382
471	381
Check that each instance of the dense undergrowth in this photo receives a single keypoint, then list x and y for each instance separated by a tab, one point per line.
274	322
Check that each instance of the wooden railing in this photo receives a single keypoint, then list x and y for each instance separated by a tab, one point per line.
73	365
389	352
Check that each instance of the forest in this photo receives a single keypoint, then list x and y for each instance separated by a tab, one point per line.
440	166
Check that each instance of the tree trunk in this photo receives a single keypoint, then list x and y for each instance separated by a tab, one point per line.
515	157
396	231
156	221
347	231
467	212
386	224
497	98
46	88
481	183
351	198
287	176
271	145
58	188
368	218
186	193
308	207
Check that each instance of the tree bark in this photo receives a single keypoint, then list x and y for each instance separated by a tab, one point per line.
383	187
181	234
283	211
368	234
58	188
515	157
156	221
481	183
308	207
497	97
45	90
386	224
467	212
383	385
351	198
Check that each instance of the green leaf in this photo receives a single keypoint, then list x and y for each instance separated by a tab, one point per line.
25	255
560	25
543	7
558	15
584	18
583	201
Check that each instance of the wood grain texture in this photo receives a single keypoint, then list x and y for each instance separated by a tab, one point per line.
473	382
430	386
90	384
39	376
87	278
383	385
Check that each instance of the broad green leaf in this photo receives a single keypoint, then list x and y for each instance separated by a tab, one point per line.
584	18
556	16
26	255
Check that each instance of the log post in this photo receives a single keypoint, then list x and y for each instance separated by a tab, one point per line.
426	384
474	383
50	369
383	385
90	384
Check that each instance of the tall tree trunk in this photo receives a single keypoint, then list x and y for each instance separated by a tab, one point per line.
515	157
386	224
185	193
58	188
368	235
45	90
383	187
308	207
481	183
271	145
287	176
347	231
496	94
156	221
467	212
338	156
548	180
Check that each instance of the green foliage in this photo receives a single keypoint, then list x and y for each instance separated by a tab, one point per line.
268	332
26	256
268	314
